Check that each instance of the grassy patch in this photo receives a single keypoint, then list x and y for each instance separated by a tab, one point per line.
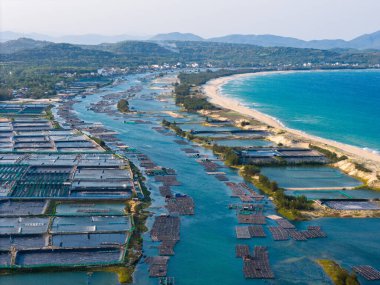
338	275
332	156
361	167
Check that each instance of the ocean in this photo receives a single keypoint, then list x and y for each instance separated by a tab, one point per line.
340	105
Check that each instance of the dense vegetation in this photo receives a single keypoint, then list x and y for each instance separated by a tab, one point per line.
250	170
190	100
133	53
189	97
5	94
227	153
33	82
123	106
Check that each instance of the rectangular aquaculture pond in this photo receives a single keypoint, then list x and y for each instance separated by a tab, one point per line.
22	241
21	208
86	209
91	224
25	225
243	143
89	240
309	177
69	257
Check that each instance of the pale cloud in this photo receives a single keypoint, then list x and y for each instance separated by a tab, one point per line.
305	19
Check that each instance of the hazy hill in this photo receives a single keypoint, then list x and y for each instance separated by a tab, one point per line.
95	39
137	48
59	54
9	36
176	37
370	41
21	44
133	53
86	39
260	40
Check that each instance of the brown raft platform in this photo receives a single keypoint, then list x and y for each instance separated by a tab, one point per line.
256	231
165	228
242	233
181	142
158	266
165	191
221	177
279	233
251	219
367	271
257	266
246	232
242	250
167	180
181	205
167	247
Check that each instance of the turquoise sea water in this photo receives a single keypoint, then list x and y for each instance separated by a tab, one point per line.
338	105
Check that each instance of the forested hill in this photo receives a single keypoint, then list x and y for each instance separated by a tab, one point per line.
133	53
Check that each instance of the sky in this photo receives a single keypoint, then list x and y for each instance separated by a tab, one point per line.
305	19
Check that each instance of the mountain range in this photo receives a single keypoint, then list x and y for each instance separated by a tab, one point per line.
366	41
29	52
88	39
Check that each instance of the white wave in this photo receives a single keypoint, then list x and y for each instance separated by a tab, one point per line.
309	120
375	151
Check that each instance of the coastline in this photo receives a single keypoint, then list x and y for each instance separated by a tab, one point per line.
212	91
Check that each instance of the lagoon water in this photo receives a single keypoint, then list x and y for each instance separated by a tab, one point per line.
206	252
338	105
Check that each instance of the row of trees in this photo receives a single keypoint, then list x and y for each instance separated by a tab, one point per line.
332	156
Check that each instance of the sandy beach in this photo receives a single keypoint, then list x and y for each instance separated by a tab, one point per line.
213	91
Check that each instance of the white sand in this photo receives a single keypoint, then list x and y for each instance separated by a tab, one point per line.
212	91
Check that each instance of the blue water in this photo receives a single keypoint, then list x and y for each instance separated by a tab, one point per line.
338	105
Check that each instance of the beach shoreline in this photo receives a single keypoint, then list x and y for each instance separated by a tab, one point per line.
212	90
